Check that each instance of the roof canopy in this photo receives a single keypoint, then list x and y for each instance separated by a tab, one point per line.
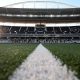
29	15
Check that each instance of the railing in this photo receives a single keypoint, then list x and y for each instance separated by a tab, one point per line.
39	35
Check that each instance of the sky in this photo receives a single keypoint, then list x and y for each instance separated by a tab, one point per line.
75	3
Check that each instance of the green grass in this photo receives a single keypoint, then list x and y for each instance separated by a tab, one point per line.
11	56
68	53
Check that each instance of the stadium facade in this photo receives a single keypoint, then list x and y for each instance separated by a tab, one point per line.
40	33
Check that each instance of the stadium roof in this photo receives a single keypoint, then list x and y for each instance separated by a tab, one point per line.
39	15
27	11
63	12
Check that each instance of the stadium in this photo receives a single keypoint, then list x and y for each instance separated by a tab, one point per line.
40	32
29	28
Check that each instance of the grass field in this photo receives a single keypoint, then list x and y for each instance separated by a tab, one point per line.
11	56
68	53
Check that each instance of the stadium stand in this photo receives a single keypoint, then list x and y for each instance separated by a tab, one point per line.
40	33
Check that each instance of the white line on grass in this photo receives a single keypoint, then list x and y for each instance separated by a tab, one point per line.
41	65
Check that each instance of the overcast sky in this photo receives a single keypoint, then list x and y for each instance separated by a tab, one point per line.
72	2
